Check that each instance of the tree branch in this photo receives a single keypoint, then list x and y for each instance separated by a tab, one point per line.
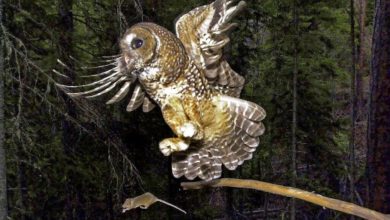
317	199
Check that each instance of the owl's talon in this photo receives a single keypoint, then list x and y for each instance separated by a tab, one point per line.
188	130
165	149
170	145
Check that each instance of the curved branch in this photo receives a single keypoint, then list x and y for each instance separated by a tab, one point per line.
317	199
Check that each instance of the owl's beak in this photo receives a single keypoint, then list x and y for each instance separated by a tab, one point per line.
129	63
127	60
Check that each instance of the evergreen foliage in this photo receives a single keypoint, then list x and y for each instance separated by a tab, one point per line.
110	142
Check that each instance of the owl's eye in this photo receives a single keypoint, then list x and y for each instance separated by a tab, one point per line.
137	43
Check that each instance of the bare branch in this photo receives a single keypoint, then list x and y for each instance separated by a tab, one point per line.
317	199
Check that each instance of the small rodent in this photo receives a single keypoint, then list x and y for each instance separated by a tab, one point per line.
144	201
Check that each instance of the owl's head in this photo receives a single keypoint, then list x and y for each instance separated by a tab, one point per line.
152	52
139	47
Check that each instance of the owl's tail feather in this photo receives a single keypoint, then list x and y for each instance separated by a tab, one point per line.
231	150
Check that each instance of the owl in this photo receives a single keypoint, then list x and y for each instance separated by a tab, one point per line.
186	76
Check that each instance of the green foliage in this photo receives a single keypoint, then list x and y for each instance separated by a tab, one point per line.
93	179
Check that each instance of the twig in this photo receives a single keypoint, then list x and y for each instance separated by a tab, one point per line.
317	199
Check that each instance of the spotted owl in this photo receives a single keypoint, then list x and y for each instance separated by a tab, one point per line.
186	76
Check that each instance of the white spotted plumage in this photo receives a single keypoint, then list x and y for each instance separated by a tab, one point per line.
197	91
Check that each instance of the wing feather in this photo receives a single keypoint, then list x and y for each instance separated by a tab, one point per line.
204	159
137	99
109	75
120	94
148	105
204	33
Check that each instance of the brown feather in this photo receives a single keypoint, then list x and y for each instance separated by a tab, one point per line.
207	28
147	105
136	99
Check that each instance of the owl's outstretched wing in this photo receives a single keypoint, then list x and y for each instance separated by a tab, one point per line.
111	75
204	33
204	159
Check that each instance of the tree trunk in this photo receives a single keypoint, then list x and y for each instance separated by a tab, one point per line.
361	72
378	155
362	5
294	112
229	211
3	168
353	101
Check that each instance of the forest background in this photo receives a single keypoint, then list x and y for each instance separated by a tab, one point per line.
306	62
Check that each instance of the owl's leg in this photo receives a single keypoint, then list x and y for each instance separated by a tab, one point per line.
181	124
170	145
189	130
192	111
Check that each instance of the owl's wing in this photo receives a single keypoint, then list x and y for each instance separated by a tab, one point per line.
111	76
204	159
204	33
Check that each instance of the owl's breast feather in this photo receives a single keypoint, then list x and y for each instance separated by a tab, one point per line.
215	118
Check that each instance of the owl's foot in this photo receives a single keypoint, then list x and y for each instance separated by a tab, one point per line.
191	131
170	145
